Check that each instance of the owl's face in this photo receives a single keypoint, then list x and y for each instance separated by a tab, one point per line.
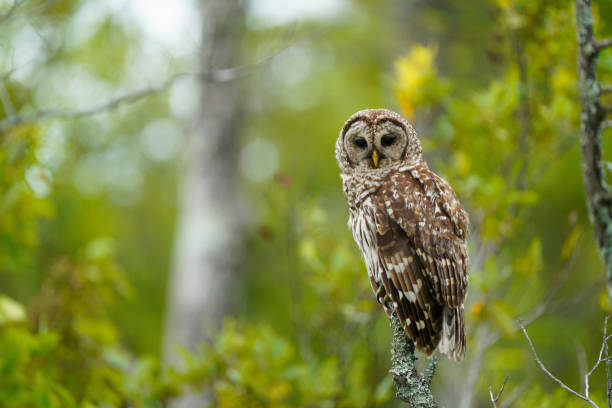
376	139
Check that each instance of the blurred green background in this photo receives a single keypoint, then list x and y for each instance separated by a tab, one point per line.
88	206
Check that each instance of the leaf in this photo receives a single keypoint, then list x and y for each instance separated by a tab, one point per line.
570	243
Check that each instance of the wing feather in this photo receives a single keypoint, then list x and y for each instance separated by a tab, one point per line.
427	210
407	286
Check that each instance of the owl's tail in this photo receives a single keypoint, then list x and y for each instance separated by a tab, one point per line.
453	333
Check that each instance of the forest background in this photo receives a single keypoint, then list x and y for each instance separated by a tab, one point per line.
90	198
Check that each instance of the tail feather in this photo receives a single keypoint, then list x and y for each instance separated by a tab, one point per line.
453	333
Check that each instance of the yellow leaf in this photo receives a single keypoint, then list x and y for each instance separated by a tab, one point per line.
476	309
604	302
570	243
563	80
413	72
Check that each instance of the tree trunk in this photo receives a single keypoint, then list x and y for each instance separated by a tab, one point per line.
598	195
203	280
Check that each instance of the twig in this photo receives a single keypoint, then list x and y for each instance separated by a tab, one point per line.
213	75
47	114
558	381
218	75
486	338
602	351
605	43
412	387
494	400
608	379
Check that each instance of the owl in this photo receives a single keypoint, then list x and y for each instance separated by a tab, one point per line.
411	229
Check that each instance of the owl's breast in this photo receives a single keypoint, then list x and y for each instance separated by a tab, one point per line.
362	221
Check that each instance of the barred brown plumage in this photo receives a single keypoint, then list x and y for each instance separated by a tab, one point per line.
409	226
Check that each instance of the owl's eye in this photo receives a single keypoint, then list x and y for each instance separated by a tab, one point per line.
360	142
387	140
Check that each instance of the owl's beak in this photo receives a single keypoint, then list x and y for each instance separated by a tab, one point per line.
375	157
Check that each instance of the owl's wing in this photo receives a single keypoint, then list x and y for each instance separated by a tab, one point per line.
434	227
402	276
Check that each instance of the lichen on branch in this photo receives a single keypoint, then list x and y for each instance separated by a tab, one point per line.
412	387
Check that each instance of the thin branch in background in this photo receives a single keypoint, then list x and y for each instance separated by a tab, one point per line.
222	75
605	89
485	337
494	400
555	379
607	358
604	347
605	124
214	75
130	97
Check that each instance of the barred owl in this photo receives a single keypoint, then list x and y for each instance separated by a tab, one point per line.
409	226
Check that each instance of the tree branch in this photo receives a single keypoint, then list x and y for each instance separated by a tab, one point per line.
555	379
591	117
602	44
213	75
412	387
217	75
494	400
605	89
46	114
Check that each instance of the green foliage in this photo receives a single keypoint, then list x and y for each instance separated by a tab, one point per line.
21	179
491	89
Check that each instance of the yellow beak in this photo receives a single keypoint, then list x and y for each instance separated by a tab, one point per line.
375	157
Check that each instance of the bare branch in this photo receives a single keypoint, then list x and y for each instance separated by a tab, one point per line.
555	379
47	114
494	400
218	75
214	75
602	44
607	358
604	343
605	89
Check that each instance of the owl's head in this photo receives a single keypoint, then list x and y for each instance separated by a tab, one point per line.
376	140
